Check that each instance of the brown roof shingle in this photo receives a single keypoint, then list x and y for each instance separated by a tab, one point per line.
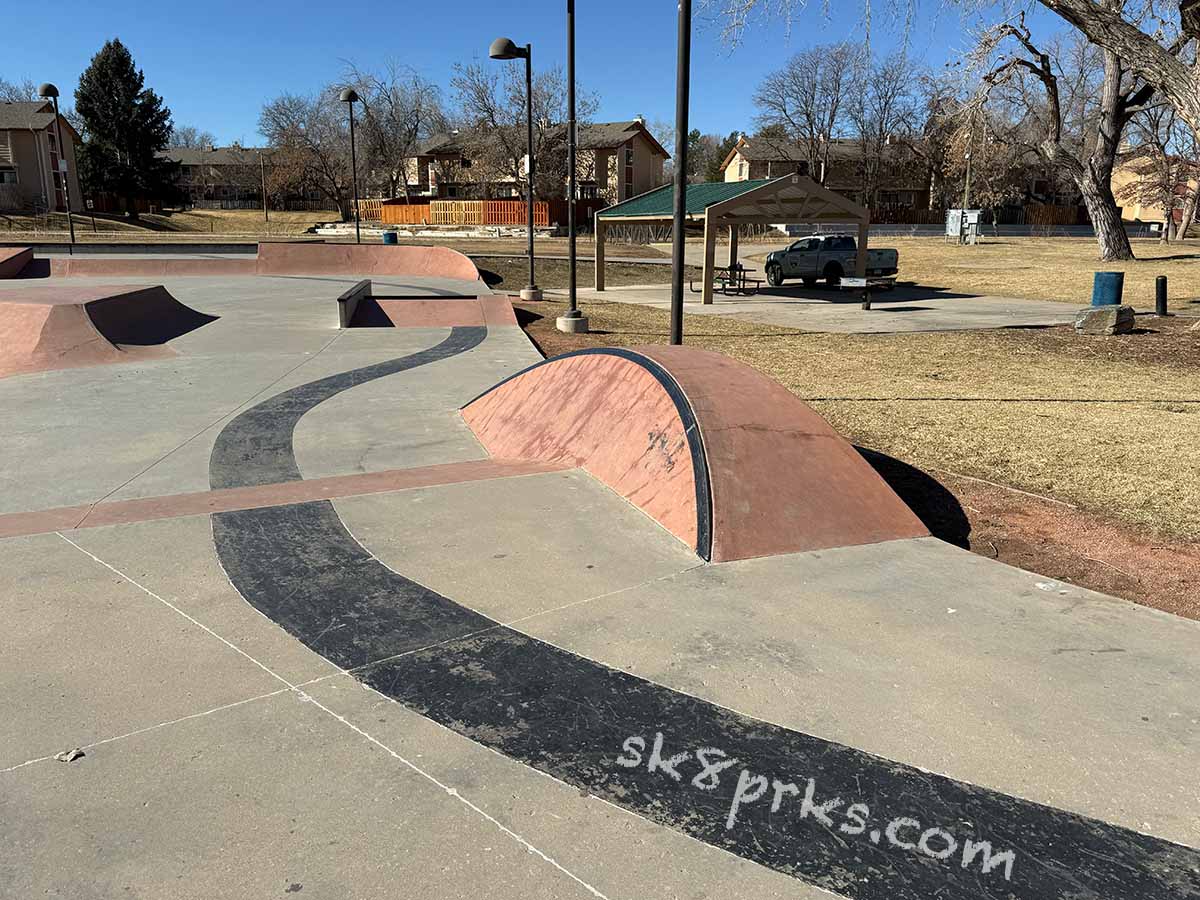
26	114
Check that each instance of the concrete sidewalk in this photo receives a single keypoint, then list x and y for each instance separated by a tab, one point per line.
905	309
488	687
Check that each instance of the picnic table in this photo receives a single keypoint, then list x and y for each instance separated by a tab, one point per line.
732	280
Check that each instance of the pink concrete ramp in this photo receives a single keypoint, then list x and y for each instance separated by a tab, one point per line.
149	267
724	458
380	260
45	328
364	259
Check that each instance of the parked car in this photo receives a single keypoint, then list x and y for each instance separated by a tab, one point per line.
827	256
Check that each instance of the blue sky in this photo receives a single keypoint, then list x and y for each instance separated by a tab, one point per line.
216	64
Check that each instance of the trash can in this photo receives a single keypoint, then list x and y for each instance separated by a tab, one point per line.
1107	288
389	237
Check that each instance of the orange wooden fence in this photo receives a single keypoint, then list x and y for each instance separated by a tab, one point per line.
370	210
480	212
405	214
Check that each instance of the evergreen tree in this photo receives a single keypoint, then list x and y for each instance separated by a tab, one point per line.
125	124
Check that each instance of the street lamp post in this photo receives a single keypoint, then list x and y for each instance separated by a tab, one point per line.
50	92
504	48
348	96
572	320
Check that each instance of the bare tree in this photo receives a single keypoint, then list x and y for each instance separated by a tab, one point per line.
17	91
806	99
310	142
1150	36
1162	160
1073	105
883	110
491	104
191	137
400	109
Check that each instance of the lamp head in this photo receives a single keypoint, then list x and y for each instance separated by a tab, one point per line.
349	95
504	48
47	91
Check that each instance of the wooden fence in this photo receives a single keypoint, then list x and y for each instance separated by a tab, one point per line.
405	214
370	210
482	212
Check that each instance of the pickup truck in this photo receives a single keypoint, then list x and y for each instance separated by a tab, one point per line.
828	256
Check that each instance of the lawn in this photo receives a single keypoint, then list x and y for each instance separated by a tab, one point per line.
1040	268
1109	424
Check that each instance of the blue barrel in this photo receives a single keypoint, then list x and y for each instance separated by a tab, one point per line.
1107	288
390	237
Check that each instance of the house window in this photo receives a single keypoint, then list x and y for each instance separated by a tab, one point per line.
629	171
628	190
8	176
588	191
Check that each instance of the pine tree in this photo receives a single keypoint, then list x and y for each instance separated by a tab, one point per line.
125	124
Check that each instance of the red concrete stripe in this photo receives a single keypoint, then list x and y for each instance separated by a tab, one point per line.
123	512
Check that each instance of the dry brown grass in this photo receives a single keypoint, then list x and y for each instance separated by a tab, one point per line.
1048	268
1016	407
200	224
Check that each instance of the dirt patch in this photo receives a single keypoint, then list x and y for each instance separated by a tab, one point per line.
1107	548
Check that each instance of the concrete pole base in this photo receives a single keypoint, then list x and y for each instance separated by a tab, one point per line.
531	293
572	324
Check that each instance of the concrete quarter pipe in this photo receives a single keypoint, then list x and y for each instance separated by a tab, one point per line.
46	328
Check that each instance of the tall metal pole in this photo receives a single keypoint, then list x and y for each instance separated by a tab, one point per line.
532	286
572	309
572	321
682	77
354	170
64	174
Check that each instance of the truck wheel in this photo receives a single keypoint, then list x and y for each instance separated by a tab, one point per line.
774	276
833	274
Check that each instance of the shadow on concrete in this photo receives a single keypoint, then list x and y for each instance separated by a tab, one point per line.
490	278
933	504
145	318
35	268
902	293
369	314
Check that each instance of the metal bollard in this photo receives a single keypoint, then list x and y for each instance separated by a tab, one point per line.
1160	295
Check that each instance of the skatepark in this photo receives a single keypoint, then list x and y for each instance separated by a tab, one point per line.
403	609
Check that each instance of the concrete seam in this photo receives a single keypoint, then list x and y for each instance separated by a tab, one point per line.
342	719
158	726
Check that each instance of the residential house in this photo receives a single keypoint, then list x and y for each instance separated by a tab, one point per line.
218	177
901	178
615	161
31	169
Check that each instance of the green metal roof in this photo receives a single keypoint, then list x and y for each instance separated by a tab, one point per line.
661	201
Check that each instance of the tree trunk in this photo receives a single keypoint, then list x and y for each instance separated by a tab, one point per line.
1106	219
1189	214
